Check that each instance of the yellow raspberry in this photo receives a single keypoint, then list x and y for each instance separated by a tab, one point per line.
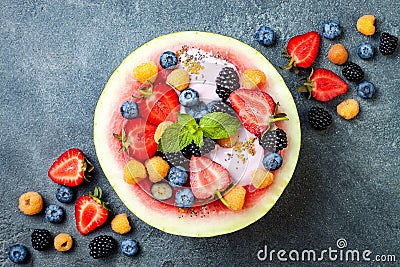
157	168
30	203
261	178
179	79
146	72
229	141
235	197
160	130
348	109
253	78
338	54
120	224
365	25
134	171
63	242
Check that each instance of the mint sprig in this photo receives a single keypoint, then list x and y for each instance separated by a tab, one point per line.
217	125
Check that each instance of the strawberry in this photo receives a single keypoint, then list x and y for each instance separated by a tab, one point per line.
157	103
302	50
207	177
137	138
90	212
324	85
255	109
69	169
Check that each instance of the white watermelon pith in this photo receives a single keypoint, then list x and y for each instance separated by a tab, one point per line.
206	220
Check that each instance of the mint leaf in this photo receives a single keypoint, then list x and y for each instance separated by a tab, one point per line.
169	141
217	125
186	119
185	138
198	138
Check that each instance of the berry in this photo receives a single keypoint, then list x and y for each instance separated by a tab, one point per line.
120	224
319	118
365	51
102	246
65	194
331	30
184	198
160	130
253	79
129	110
63	242
70	168
194	150
274	140
348	109
235	198
219	106
161	191
134	171
54	214
337	54
168	60
145	72
18	254
365	90
261	178
129	247
177	176
30	203
227	82
387	44
189	97
265	36
179	79
272	161
230	141
157	168
365	25
197	111
41	239
353	72
176	159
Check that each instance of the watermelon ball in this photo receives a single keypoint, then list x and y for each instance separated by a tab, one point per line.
184	198
265	36
272	161
189	97
168	60
129	110
177	176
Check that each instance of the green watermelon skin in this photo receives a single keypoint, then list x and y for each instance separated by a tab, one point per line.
202	221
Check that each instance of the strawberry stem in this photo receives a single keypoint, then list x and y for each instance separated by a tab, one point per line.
222	199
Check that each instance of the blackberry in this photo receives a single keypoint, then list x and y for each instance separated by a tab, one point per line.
319	118
102	246
195	150
227	82
353	72
274	140
387	44
219	106
41	239
209	145
176	159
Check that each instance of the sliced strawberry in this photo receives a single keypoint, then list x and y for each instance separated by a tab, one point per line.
90	212
324	85
69	169
158	103
302	50
207	177
254	109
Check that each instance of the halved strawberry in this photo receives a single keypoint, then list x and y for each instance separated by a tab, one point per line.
90	212
157	103
69	169
255	109
207	178
302	50
324	85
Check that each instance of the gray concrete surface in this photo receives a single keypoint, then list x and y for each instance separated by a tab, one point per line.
56	57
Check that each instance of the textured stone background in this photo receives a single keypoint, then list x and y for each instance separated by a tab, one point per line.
56	57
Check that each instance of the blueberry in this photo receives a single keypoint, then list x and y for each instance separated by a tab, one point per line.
54	214
168	60
129	247
197	111
65	194
331	29
265	36
184	198
365	51
177	176
189	97
129	110
18	254
272	161
365	90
